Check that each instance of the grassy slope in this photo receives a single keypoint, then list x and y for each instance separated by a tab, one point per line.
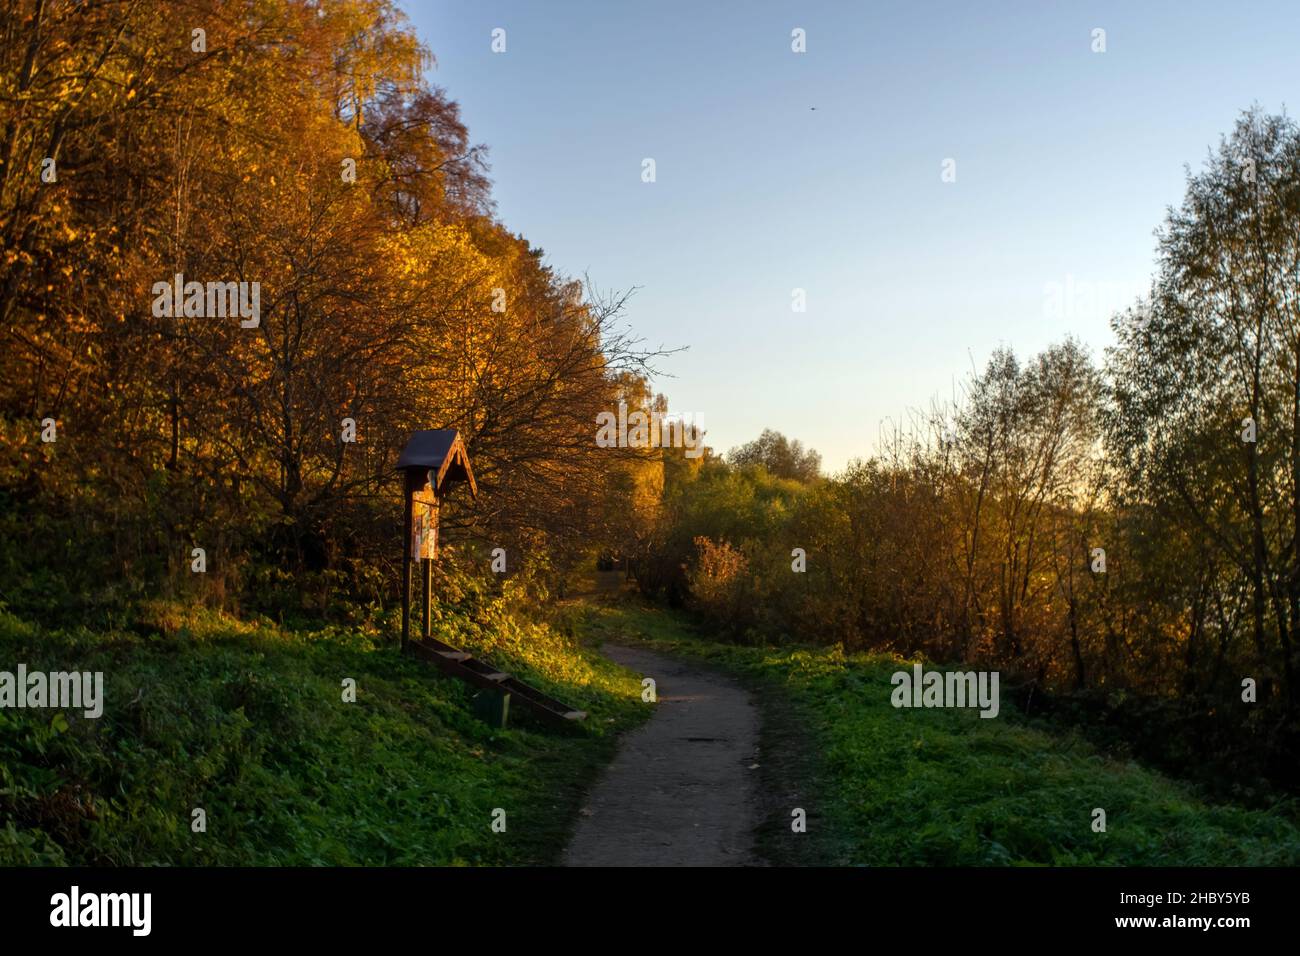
247	722
887	786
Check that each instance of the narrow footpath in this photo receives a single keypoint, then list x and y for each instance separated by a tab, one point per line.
682	790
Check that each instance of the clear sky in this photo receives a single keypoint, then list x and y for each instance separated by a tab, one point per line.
1065	162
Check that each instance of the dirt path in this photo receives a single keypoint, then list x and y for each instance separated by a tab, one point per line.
681	791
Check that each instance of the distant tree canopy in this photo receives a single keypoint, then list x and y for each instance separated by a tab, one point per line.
781	456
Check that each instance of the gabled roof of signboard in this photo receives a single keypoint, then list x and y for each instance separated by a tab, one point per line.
443	453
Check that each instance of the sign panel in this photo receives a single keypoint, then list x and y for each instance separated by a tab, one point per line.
424	526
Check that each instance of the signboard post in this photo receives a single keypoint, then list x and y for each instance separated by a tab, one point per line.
424	541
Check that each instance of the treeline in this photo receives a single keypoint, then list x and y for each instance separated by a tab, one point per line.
1121	536
295	151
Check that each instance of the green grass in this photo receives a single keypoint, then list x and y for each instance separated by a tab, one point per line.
888	786
247	722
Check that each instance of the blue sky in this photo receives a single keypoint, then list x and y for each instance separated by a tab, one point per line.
1065	162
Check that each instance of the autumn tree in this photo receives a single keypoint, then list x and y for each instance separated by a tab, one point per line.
781	456
1206	381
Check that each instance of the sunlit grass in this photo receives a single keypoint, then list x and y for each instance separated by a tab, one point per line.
246	720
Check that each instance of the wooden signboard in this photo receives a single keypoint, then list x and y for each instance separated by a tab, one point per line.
432	461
